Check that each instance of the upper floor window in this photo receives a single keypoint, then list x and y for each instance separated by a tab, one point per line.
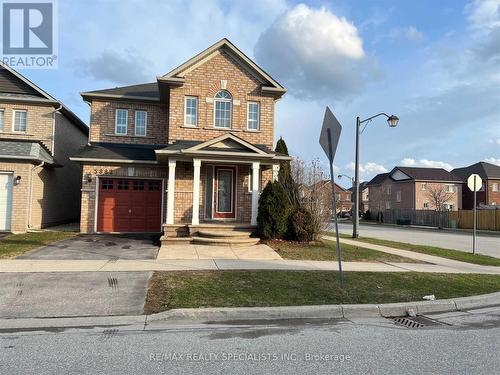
253	116
20	121
450	188
424	185
388	190
223	109
191	111
141	123
1	119
121	120
398	196
494	186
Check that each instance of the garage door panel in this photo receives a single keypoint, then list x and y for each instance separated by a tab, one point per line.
129	205
6	182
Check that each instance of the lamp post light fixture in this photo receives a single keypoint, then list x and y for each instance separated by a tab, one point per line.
392	121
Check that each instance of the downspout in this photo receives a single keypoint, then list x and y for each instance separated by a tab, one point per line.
53	151
30	197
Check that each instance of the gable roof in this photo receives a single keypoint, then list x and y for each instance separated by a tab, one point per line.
362	186
224	145
14	86
175	76
427	174
378	179
483	169
145	91
324	183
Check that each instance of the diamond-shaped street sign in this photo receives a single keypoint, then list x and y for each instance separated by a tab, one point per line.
474	182
330	125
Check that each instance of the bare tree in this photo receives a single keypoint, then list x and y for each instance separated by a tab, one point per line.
313	196
376	201
439	195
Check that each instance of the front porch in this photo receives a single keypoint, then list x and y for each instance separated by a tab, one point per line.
214	185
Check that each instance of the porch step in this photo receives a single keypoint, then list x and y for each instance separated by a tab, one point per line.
224	233
221	227
175	240
226	241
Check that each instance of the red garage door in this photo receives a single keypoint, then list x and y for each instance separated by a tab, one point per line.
129	205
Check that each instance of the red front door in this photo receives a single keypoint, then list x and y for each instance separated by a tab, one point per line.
225	192
129	205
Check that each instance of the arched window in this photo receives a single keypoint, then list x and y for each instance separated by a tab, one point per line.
223	109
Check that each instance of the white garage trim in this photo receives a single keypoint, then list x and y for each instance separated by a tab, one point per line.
6	200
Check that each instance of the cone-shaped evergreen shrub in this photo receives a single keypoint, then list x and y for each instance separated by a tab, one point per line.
274	212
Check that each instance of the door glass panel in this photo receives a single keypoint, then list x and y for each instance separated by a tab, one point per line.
224	191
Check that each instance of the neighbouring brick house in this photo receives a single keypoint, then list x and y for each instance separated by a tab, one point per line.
489	194
363	196
39	186
415	188
324	188
193	147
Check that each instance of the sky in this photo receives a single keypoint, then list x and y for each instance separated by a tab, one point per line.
434	64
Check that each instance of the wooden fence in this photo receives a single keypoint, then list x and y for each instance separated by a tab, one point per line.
486	219
463	219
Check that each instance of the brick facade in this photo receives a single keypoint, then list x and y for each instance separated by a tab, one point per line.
39	124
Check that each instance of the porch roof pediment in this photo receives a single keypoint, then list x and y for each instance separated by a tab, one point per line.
224	145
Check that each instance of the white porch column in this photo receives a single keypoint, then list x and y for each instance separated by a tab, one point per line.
196	192
171	191
255	191
276	170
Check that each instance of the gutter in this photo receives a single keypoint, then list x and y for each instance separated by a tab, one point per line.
53	150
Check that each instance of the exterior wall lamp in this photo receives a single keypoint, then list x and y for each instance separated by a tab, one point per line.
17	180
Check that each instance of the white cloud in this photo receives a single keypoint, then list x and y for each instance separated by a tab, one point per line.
317	53
409	162
410	33
495	161
367	170
483	14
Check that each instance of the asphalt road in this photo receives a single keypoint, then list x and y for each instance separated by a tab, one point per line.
486	244
470	345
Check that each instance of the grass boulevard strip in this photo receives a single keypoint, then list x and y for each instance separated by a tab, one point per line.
13	245
195	289
461	256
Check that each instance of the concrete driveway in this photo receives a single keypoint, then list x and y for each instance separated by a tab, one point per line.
97	247
28	295
486	244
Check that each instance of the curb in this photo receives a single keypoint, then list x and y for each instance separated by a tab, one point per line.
386	310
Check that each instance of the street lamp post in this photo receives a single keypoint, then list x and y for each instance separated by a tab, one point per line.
392	120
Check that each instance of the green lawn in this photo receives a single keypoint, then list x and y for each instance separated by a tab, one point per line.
462	256
16	244
184	289
327	250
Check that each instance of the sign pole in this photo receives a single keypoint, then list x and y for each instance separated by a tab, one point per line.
475	219
332	178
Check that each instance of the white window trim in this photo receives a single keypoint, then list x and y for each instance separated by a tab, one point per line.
448	186
14	111
230	101
116	121
145	123
425	205
2	127
424	186
258	116
494	186
398	196
196	114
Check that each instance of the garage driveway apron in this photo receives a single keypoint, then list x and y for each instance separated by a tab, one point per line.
24	295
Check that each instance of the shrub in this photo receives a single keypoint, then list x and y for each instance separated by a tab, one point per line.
274	212
301	225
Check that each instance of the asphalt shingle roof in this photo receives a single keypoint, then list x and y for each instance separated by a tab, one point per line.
483	169
115	151
378	179
429	174
146	90
25	150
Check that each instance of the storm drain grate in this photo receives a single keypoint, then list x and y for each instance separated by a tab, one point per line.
408	322
417	322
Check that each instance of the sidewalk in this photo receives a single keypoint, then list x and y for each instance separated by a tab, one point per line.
122	265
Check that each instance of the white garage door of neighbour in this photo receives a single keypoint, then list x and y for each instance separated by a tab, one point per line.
5	201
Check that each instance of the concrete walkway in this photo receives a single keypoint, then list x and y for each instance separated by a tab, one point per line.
195	252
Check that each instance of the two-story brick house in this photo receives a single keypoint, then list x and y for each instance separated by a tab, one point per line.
193	147
489	194
415	188
39	185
